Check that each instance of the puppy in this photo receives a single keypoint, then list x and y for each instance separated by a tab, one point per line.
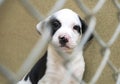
67	31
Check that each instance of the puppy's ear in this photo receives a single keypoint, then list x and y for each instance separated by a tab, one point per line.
39	27
84	28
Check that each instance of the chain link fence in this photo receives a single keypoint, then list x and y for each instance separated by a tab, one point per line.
40	46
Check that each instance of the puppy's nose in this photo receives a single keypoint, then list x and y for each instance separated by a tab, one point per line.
63	40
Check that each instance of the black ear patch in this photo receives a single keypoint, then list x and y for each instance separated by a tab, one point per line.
84	28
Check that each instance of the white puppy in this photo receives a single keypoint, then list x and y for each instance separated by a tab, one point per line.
67	31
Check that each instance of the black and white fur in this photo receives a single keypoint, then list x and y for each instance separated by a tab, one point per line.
67	31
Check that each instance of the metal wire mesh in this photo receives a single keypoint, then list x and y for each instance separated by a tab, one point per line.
41	45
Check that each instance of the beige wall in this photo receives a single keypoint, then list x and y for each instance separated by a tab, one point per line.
18	35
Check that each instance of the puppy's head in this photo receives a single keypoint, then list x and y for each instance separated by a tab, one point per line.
67	29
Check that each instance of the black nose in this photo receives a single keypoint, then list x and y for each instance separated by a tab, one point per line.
63	40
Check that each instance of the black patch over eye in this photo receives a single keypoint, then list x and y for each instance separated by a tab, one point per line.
55	24
77	28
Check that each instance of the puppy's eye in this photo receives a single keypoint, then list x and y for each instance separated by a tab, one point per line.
77	28
55	24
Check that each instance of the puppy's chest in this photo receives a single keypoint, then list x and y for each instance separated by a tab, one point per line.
55	64
56	70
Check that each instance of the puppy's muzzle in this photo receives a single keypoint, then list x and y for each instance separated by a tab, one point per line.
63	40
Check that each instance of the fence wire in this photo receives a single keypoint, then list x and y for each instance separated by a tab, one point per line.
41	45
